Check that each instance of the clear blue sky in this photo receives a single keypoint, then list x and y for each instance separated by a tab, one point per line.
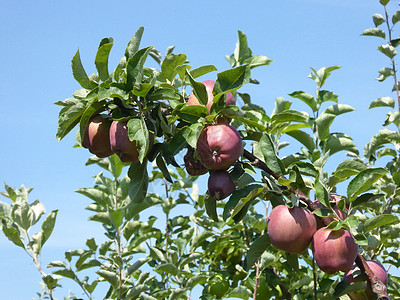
39	38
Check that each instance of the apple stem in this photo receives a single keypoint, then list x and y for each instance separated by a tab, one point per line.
377	286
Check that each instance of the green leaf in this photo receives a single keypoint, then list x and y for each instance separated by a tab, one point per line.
339	142
322	75
270	156
379	221
167	268
170	64
374	32
69	116
139	182
79	72
242	50
47	228
138	132
200	71
384	2
163	168
321	192
281	105
257	248
383	102
133	45
385	73
199	89
240	198
22	215
364	181
324	121
134	68
134	208
110	277
306	98
303	138
13	234
378	19
388	50
211	207
257	60
290	116
396	17
101	60
230	80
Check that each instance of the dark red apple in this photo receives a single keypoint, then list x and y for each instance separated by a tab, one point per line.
380	272
193	166
126	149
291	229
97	136
334	250
230	100
219	146
220	184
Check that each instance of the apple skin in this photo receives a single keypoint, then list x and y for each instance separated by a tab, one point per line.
220	184
230	100
378	269
291	229
126	149
97	136
193	167
219	146
334	250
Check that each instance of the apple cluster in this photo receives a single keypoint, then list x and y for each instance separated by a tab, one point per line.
104	137
294	229
218	147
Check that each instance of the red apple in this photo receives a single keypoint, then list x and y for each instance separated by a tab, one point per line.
126	149
230	100
220	184
291	229
380	272
193	166
97	136
334	250
219	146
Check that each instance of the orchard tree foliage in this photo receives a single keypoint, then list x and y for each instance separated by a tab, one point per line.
178	243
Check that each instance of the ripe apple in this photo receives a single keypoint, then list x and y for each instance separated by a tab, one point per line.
220	184
97	136
334	200
126	149
193	166
334	250
380	272
291	229
219	146
230	100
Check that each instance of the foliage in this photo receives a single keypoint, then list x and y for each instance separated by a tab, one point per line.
178	242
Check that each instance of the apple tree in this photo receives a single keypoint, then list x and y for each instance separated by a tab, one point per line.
239	212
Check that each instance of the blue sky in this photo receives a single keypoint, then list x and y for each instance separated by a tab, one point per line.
39	38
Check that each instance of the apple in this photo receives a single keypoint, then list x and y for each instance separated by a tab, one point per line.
97	136
291	229
334	250
230	100
219	146
380	272
193	166
220	184
126	149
